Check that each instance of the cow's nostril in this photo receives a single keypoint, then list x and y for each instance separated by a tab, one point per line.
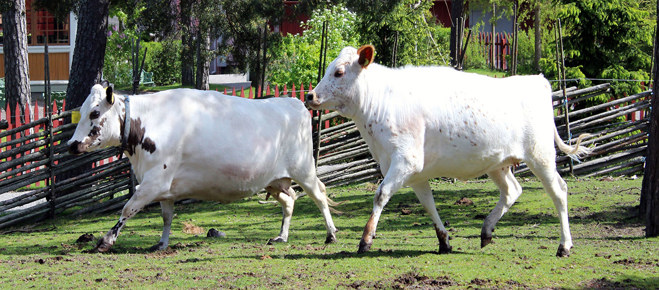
74	148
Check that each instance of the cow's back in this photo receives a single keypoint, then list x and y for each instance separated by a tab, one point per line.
471	123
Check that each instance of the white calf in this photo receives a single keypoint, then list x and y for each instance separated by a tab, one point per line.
426	122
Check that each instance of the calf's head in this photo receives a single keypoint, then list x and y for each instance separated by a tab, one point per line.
340	87
99	122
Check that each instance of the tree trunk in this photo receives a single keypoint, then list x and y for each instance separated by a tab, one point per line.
187	44
88	59
17	78
457	7
89	52
538	37
650	188
203	45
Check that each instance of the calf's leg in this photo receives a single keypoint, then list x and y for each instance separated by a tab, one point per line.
509	190
556	187
424	194
394	179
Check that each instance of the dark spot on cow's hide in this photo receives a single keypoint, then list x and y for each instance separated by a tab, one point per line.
149	145
136	137
95	130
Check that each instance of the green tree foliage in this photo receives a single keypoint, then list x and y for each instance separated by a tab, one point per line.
296	58
403	31
608	39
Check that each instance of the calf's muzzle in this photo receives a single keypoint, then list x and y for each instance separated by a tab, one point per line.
312	100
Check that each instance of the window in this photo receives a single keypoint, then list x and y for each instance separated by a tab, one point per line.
42	26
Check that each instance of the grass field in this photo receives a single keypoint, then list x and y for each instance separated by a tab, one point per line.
610	248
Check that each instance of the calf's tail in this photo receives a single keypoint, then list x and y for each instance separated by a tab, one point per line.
575	151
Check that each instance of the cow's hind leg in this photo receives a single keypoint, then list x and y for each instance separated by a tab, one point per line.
509	190
424	194
316	190
556	187
167	215
286	197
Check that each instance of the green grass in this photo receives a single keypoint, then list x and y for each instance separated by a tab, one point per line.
610	248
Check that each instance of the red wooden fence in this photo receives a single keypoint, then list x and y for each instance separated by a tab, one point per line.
38	112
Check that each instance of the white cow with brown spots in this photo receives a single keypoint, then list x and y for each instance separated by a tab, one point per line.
187	143
427	122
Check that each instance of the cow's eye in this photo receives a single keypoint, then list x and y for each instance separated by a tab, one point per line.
94	115
338	74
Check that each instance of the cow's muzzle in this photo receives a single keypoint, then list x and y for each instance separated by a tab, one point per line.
312	100
76	148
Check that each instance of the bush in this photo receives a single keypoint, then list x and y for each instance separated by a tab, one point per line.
163	60
295	58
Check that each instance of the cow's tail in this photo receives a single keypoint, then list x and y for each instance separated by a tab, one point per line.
333	204
576	151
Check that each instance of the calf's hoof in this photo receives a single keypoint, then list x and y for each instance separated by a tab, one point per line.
157	247
330	239
276	240
364	247
562	252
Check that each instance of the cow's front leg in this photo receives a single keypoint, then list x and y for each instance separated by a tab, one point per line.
424	194
167	215
394	179
144	194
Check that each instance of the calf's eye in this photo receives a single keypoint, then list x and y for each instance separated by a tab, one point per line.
338	74
94	115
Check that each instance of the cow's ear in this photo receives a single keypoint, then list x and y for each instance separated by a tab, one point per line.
105	83
109	96
366	55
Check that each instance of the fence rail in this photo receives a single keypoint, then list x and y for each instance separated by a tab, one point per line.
31	190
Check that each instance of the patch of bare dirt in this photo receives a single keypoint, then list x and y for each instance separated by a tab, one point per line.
192	229
604	283
409	280
464	201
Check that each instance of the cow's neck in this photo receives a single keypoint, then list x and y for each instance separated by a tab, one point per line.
129	117
372	100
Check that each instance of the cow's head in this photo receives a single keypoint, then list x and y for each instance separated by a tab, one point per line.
340	87
99	124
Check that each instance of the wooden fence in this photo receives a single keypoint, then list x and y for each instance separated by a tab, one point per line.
496	48
33	160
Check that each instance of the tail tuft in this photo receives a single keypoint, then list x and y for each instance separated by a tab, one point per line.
575	152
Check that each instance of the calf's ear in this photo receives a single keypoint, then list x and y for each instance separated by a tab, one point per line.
109	96
366	55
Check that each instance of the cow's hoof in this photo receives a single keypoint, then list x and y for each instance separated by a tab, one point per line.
364	247
330	239
102	246
276	240
485	240
213	233
562	251
445	249
157	247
